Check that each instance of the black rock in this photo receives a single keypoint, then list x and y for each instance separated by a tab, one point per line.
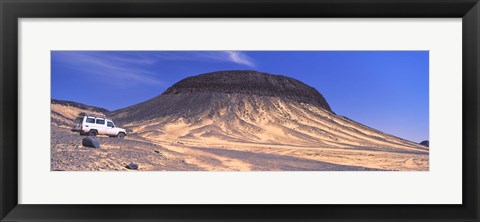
78	105
90	142
251	83
132	166
425	143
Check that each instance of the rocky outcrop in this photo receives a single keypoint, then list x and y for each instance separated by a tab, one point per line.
79	106
425	143
250	83
217	90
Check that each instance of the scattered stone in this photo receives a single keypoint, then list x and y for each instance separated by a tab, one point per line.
132	166
156	151
90	142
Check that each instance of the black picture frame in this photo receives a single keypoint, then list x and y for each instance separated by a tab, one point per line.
11	11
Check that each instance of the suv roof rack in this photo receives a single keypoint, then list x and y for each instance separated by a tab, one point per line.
93	114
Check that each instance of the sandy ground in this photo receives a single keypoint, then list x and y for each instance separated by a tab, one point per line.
68	154
247	133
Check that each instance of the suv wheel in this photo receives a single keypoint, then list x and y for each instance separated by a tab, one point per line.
92	133
121	135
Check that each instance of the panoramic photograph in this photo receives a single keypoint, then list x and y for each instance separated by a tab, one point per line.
239	111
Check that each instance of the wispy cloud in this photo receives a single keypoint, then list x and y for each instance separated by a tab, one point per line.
116	66
130	67
236	57
240	58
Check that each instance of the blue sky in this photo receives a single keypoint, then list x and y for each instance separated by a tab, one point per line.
387	90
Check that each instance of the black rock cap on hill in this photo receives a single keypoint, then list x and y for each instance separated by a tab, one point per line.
79	105
425	143
251	83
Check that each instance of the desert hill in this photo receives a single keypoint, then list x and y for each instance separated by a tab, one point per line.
246	120
63	112
250	107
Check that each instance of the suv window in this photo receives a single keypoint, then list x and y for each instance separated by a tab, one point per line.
110	124
100	121
90	120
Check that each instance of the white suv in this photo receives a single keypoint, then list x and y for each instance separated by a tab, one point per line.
94	125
